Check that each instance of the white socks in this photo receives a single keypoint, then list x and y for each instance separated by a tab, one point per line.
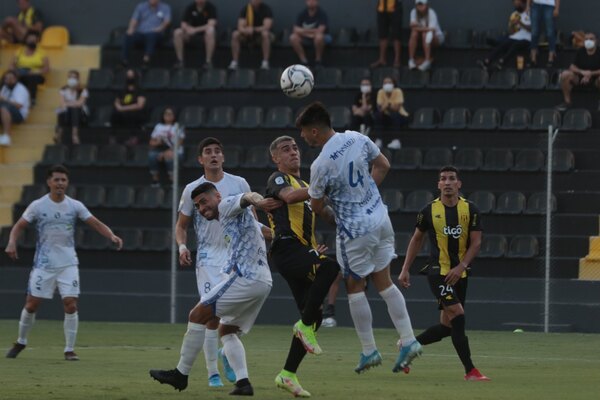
398	312
211	348
70	326
236	355
191	346
363	321
25	324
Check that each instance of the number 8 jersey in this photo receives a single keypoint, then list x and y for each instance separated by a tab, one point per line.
341	172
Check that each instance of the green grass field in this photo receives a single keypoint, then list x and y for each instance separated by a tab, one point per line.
116	357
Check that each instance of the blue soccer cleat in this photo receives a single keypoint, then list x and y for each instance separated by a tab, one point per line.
367	362
406	356
215	381
229	373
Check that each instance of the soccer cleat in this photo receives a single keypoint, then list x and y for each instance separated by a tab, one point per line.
289	382
306	334
14	351
171	377
329	322
71	356
367	362
475	375
229	372
215	381
245	390
406	356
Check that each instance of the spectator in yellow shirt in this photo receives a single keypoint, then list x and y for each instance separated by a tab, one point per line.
390	106
31	63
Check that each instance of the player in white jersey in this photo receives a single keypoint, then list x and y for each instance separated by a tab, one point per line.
55	263
365	237
237	299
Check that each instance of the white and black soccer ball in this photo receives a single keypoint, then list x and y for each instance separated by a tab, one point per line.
297	81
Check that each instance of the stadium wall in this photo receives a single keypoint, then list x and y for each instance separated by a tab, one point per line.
90	21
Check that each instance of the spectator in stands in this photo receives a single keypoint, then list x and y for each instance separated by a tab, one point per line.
362	109
148	23
162	144
73	110
585	70
543	11
519	39
31	64
311	28
424	26
390	106
199	22
254	26
14	29
389	27
14	105
130	105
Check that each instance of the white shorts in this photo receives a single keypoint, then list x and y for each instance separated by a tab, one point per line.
237	301
361	256
207	278
43	282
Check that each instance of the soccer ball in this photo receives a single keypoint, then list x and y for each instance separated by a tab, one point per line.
297	81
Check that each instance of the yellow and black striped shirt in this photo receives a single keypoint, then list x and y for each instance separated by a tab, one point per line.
448	229
291	220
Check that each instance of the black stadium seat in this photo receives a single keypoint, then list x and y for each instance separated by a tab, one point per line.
468	159
346	37
493	246
220	117
156	79
328	78
212	79
309	155
536	204
444	78
529	160
378	74
100	79
417	199
101	117
30	193
563	160
510	203
183	79
340	117
192	117
436	158
249	117
132	238
241	79
456	118
156	116
506	79
120	196
268	78
533	79
352	76
426	118
89	239
577	119
279	117
91	195
472	78
83	155
138	156
498	160
156	240
460	39
413	79
485	119
523	246
393	199
516	119
401	242
233	157
484	200
256	157
54	154
544	118
407	158
149	197
111	155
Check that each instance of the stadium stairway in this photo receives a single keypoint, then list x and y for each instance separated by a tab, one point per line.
29	139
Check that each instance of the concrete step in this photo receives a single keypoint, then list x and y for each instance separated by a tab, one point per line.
32	135
589	269
21	173
18	154
46	117
10	193
6	215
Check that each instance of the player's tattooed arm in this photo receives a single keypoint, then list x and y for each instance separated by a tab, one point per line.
320	207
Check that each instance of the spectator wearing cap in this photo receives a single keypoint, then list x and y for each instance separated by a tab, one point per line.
424	27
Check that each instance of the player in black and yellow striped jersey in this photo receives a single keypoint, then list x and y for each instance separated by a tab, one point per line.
453	225
294	252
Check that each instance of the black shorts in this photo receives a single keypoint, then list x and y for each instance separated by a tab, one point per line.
389	25
445	294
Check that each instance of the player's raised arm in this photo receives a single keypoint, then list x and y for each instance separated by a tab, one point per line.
15	232
104	230
414	246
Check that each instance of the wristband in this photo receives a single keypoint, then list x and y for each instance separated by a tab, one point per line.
182	247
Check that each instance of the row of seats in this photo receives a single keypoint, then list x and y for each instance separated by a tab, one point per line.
409	158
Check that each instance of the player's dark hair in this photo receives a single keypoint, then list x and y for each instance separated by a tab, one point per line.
315	114
449	168
207	142
203	188
61	169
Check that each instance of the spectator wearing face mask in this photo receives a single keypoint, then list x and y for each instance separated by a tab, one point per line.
31	63
130	105
362	109
14	105
390	106
72	111
585	70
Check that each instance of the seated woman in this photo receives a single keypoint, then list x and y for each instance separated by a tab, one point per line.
130	105
31	63
162	143
390	106
72	111
424	27
362	109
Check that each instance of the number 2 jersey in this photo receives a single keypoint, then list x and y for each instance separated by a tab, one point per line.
341	172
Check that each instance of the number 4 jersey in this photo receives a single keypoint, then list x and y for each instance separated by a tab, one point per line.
341	172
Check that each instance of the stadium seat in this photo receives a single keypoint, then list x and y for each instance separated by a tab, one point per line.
436	158
456	118
192	117
417	199
393	199
156	116
149	197
340	117
506	79
212	79
156	240
120	196
249	117
425	118
577	119
413	79
119	77
516	119
401	242
241	79
352	76
328	78
89	239
256	157
29	239
83	155
378	74
485	119
472	78
191	157
99	79
544	118
220	117
533	79
5	235
279	117
116	35
155	79
536	204
138	156
406	158
529	160
268	78
132	238
54	154
493	246
55	37
498	160
233	157
523	246
101	116
484	200
563	160
510	203
111	155
183	79
460	39
468	159
30	193
444	78
91	195
167	203
309	155
346	37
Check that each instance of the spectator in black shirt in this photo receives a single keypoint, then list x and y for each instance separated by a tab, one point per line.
130	105
310	28
254	25
584	71
362	109
199	21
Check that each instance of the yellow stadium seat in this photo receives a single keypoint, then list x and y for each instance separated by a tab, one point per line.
55	37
